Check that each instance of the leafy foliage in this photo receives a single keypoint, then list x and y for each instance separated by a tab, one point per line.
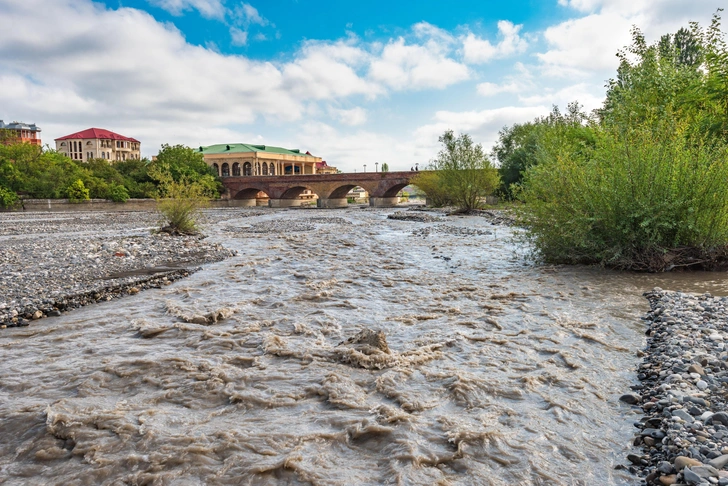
186	164
117	193
179	201
8	198
77	191
462	174
644	186
522	146
29	171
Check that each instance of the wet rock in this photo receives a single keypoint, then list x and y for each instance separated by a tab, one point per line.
668	480
369	337
414	216
682	414
696	368
719	417
630	398
691	478
719	462
705	472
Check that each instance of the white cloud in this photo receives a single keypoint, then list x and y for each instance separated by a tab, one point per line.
350	151
329	70
238	37
482	125
246	15
520	82
479	51
587	94
351	117
587	45
211	9
148	78
413	66
492	89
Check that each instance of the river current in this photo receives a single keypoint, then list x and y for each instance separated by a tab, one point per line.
337	348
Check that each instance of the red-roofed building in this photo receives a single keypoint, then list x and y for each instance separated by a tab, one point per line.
97	143
324	168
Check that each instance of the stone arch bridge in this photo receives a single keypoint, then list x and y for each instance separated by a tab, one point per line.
283	190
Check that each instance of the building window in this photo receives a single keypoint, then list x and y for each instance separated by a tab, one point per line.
236	169
217	169
272	169
247	169
265	168
225	170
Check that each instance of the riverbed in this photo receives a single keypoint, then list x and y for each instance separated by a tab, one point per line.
337	347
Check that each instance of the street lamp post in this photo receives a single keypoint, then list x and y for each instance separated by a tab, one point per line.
376	166
365	167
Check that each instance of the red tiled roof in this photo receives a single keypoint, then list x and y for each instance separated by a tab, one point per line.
98	133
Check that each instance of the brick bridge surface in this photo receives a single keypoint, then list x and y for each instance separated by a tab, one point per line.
329	187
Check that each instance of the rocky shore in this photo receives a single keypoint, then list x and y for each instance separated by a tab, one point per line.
683	435
53	262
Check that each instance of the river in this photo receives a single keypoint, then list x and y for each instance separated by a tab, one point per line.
494	371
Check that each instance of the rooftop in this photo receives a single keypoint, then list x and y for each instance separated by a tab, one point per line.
19	126
238	148
99	133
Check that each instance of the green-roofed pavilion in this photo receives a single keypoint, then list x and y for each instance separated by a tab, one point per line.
245	159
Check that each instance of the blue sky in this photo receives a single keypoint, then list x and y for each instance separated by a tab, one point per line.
353	82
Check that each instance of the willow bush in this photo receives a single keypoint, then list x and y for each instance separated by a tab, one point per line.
461	174
179	201
647	197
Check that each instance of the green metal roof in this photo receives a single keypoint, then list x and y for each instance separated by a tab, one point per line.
237	148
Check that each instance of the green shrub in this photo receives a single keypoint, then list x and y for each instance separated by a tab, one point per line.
8	198
77	191
648	197
117	193
179	202
460	175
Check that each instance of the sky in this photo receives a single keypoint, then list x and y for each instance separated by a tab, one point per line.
356	83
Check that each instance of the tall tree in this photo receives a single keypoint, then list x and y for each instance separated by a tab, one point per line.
464	171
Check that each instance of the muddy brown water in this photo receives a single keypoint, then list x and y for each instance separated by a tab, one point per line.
498	371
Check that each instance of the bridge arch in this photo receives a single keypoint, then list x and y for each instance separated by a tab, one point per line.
295	191
253	196
394	190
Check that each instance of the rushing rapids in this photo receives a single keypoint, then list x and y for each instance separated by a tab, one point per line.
336	348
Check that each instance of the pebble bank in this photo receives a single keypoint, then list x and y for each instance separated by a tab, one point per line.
683	435
50	263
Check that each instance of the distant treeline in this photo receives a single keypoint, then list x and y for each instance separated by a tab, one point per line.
32	172
642	182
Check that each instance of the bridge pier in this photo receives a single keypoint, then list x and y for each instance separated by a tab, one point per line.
284	203
246	203
332	203
383	202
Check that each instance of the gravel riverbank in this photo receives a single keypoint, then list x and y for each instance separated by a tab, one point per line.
683	434
53	262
